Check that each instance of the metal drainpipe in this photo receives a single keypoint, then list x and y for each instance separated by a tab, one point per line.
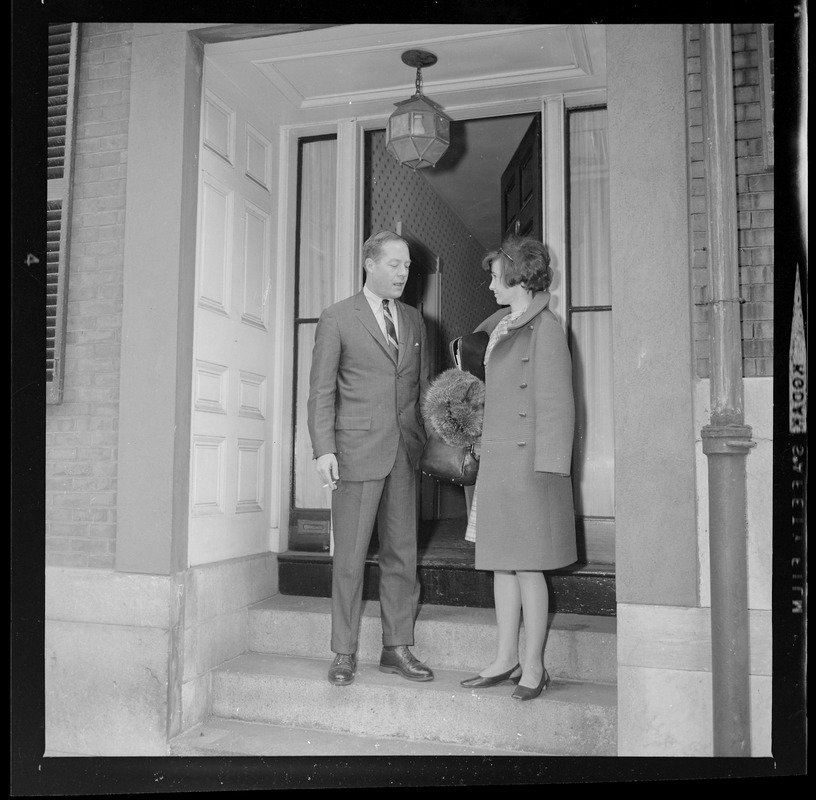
726	439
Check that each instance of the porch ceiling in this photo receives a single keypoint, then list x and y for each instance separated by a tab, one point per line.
482	70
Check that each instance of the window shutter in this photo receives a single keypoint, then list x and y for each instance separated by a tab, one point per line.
59	69
766	85
62	59
52	284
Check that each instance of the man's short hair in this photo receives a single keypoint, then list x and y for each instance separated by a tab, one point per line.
374	244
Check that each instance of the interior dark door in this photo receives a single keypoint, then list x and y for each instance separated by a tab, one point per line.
521	204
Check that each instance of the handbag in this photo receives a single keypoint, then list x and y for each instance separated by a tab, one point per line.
468	352
453	407
457	464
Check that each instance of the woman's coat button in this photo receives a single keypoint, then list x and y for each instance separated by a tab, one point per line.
522	385
521	444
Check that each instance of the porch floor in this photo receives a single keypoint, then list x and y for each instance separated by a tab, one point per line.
442	542
447	575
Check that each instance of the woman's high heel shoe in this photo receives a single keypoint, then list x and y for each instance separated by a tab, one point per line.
480	682
526	693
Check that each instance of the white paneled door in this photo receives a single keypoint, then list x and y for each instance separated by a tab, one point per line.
234	351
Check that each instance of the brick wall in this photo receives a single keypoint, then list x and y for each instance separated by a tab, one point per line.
755	204
82	431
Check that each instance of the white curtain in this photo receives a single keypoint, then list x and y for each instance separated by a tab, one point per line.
316	287
318	202
591	318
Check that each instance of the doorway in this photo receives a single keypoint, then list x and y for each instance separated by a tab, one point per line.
449	227
294	78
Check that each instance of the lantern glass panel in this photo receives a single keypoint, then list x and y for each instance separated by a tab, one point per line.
421	125
435	151
442	128
398	125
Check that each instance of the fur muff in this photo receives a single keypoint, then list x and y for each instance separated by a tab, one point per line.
454	407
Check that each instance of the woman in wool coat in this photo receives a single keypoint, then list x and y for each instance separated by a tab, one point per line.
522	514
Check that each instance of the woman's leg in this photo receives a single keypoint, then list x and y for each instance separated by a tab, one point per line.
535	604
507	600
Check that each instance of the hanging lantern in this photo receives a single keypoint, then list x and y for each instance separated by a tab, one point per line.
418	132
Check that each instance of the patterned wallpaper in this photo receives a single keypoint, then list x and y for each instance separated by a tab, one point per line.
396	193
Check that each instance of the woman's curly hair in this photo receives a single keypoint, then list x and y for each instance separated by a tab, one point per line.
526	261
453	406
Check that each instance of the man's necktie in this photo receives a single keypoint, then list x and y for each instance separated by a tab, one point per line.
390	330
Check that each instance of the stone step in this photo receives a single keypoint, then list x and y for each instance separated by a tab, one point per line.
231	737
569	719
579	647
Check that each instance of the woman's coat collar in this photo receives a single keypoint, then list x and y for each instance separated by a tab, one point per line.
539	302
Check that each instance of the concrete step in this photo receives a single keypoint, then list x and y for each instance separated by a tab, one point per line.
569	719
231	737
579	647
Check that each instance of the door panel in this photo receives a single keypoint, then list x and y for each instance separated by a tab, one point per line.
521	192
230	513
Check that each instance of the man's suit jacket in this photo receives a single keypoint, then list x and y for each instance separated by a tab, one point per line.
361	397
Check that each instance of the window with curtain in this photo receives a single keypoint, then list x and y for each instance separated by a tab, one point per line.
62	60
314	276
590	317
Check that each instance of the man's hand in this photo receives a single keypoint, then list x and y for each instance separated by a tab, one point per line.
326	466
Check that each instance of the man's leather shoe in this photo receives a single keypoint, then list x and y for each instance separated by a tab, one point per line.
343	669
403	662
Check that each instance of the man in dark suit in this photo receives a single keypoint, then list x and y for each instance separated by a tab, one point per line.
369	369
